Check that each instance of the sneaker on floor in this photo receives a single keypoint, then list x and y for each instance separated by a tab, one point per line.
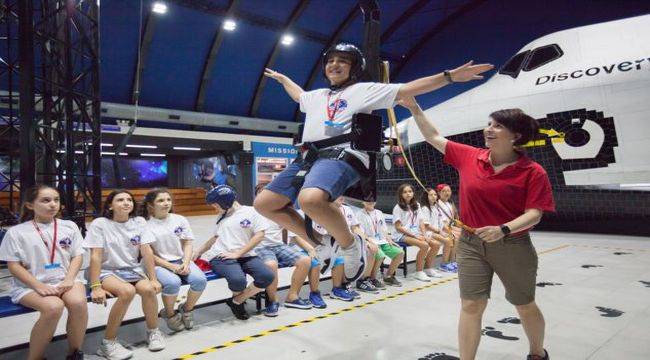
366	286
316	300
175	322
239	310
76	355
341	294
392	281
298	304
454	265
155	340
355	294
113	350
354	258
432	273
272	309
186	316
420	275
447	268
537	357
378	283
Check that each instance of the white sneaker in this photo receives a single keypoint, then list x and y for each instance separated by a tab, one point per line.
113	350
354	258
420	275
432	273
155	340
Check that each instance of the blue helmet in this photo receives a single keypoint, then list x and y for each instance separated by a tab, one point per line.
223	195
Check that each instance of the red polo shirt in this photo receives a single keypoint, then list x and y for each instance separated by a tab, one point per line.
489	199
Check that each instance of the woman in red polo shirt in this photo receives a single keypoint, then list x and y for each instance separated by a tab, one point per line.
503	194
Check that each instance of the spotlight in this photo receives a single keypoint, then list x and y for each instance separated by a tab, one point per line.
287	40
229	25
159	8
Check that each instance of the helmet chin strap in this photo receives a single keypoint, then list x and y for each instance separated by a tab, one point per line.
344	84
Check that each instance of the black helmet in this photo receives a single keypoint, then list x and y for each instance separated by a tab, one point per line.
351	51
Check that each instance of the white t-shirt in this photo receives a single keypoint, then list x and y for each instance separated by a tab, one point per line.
272	234
347	212
169	234
432	217
235	231
23	243
409	219
120	241
374	225
446	210
358	98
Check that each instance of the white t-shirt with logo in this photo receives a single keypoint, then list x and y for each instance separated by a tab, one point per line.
432	216
408	218
354	99
235	231
374	225
272	234
120	241
446	209
169	234
22	243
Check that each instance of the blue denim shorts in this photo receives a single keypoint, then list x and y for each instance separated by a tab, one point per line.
332	176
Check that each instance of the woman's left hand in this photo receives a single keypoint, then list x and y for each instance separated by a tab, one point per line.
65	285
490	233
229	255
184	269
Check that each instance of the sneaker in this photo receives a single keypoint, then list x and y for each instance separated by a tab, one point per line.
316	300
378	283
341	294
354	294
354	258
113	350
298	304
76	355
174	323
271	309
392	281
454	265
432	273
537	357
447	268
155	340
239	310
186	316
420	275
366	286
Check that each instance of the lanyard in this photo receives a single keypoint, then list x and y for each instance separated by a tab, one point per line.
374	222
332	113
45	241
412	216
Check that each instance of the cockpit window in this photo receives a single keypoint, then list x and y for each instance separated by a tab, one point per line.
513	66
542	55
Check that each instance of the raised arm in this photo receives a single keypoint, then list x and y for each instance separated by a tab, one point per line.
427	128
463	73
290	87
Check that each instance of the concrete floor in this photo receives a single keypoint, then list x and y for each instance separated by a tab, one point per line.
594	291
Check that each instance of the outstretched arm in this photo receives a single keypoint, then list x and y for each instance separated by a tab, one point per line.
290	87
464	73
427	128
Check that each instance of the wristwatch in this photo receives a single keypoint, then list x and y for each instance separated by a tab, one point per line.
505	229
447	75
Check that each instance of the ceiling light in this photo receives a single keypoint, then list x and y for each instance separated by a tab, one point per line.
635	185
107	145
187	148
159	8
124	154
142	146
229	25
108	153
78	152
158	155
287	40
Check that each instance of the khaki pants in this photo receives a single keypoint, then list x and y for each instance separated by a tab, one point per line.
512	258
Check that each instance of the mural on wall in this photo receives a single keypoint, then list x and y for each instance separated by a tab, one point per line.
135	173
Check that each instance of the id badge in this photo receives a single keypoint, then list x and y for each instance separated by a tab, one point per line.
53	273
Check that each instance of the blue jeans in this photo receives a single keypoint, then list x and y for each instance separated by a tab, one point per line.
331	176
171	282
235	270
